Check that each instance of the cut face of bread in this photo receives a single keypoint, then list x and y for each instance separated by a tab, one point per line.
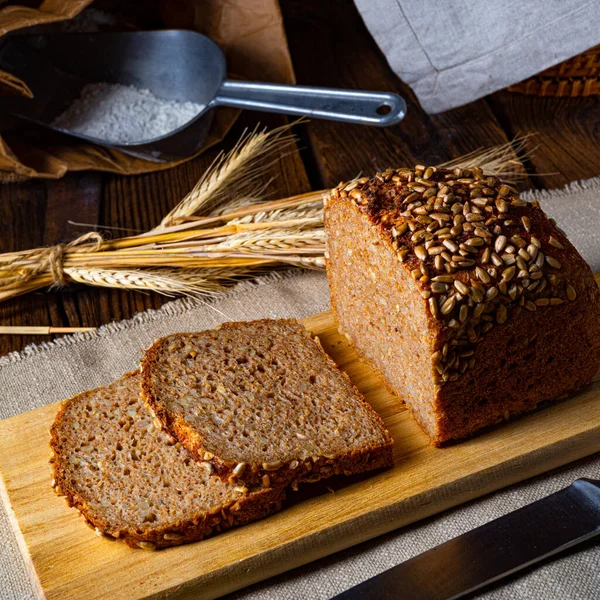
263	403
469	301
134	482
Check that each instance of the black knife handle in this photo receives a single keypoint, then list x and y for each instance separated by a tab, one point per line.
492	551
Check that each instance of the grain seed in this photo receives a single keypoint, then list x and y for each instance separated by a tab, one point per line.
239	469
465	264
524	254
518	241
501	314
435	250
539	261
476	294
450	245
147	545
475	241
433	308
448	306
463	288
473	217
554	242
272	466
482	274
482	233
502	205
500	243
401	228
478	310
420	252
532	250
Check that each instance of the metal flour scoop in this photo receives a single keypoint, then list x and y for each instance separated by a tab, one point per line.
174	65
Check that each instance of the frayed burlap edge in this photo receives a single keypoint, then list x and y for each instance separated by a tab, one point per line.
170	309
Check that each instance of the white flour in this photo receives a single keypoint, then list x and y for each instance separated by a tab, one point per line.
119	113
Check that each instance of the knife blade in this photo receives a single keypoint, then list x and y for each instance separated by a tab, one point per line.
493	551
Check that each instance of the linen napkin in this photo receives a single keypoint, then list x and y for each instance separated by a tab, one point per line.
451	53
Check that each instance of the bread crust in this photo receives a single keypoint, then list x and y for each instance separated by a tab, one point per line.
554	334
309	469
256	505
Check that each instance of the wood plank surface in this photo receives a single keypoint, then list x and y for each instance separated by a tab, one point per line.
347	56
330	46
68	562
566	134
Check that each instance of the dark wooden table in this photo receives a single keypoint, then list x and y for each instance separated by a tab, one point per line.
330	46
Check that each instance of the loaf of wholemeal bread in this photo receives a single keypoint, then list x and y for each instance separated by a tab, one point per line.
469	301
262	403
131	481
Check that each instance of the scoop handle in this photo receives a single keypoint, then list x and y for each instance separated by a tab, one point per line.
380	109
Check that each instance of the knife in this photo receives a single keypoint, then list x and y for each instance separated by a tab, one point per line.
494	550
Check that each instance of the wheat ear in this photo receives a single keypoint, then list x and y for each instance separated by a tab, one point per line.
501	160
236	177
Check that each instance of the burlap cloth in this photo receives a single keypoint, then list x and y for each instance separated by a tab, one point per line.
52	371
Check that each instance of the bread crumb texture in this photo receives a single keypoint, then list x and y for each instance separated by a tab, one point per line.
263	403
130	480
471	303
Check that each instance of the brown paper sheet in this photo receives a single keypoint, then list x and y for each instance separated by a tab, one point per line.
250	32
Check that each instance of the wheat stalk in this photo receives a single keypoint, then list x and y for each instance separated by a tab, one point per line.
169	282
236	177
502	159
218	234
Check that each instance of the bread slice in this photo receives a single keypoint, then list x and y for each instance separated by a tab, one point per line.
470	302
263	403
134	482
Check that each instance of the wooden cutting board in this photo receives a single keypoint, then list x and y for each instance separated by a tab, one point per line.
67	561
